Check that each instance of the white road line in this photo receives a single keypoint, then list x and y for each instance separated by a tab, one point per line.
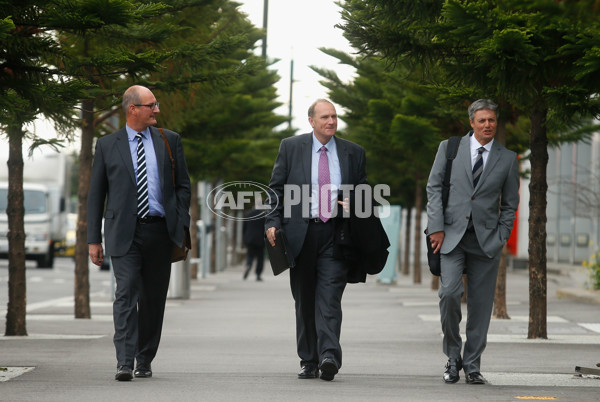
591	326
12	372
513	318
49	337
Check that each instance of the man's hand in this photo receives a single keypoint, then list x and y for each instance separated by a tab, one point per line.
96	254
271	235
437	239
345	204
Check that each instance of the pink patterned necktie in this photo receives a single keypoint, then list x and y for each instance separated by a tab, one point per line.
324	199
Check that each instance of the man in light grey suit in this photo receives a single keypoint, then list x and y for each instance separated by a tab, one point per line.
470	234
144	197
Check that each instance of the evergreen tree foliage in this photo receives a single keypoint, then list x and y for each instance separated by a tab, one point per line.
540	56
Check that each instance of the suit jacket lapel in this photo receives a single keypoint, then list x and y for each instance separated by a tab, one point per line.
125	153
161	152
343	158
307	158
465	157
492	159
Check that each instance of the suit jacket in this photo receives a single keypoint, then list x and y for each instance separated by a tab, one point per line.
492	204
361	242
113	184
293	166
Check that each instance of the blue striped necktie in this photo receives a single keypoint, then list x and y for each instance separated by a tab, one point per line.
142	180
478	166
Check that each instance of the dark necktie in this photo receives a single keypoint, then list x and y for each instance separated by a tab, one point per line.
477	169
324	199
142	180
478	166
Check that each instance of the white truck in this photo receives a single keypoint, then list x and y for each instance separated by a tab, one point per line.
46	187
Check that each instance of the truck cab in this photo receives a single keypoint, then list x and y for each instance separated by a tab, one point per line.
38	220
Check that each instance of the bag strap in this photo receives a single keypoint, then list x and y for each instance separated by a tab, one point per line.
162	134
451	152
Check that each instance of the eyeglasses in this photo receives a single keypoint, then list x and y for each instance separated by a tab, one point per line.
150	105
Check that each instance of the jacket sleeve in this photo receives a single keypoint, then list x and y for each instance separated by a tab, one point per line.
509	201
276	188
96	197
182	187
435	213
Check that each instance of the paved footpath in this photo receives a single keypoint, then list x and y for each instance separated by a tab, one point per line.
233	340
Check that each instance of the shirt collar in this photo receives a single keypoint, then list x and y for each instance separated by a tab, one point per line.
316	144
131	133
476	145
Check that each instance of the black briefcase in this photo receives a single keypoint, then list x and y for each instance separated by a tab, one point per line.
279	256
433	260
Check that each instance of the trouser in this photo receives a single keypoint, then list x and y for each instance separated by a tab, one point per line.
318	282
482	272
142	278
257	252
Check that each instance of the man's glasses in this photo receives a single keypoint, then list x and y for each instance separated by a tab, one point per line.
150	105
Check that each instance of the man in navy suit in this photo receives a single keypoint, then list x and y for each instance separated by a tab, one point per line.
318	280
139	241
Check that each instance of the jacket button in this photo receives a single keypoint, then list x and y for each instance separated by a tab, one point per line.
467	217
473	197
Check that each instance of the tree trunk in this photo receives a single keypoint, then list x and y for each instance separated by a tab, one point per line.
82	281
500	310
418	232
15	211
195	216
406	265
537	225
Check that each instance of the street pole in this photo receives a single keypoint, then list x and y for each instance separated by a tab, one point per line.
265	18
291	86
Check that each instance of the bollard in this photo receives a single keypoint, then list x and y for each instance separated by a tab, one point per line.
179	285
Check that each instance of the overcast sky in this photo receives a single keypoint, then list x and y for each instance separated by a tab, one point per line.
297	29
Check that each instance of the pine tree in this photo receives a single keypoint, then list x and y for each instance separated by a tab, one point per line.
541	56
28	87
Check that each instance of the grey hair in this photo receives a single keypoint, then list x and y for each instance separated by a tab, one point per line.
311	108
481	104
130	97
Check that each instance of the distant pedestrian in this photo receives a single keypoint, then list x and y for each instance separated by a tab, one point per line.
144	198
470	234
253	236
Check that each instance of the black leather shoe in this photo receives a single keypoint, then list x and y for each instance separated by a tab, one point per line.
143	371
453	367
475	378
329	369
124	373
247	271
308	371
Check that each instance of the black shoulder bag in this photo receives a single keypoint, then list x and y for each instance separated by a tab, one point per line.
179	253
434	259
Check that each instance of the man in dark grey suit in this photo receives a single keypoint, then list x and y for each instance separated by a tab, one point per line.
144	198
470	234
306	167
